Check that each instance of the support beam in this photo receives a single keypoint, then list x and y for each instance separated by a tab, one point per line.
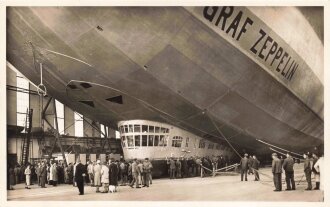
92	125
43	113
57	133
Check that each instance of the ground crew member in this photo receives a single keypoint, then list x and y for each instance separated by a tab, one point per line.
277	172
255	168
308	170
147	170
289	172
244	166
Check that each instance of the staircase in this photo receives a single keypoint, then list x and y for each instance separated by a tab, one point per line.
27	136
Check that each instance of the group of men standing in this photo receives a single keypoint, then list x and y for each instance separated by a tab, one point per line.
250	164
141	173
29	171
184	167
311	164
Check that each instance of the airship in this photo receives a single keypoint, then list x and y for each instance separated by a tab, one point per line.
242	79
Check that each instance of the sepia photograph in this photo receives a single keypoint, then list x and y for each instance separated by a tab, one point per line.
164	103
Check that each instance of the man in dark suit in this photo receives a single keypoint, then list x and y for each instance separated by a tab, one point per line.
277	172
244	166
250	165
255	168
308	170
80	176
43	174
289	173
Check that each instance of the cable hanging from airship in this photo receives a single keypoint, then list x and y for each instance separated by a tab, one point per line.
266	143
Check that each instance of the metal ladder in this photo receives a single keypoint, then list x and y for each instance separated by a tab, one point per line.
26	138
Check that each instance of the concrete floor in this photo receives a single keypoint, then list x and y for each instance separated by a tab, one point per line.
219	188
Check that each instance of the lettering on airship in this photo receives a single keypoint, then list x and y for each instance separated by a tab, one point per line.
243	27
277	53
223	16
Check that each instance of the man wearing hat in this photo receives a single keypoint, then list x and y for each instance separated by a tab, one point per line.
308	170
277	172
244	166
80	174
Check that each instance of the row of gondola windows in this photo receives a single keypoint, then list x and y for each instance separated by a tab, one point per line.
144	140
160	140
142	128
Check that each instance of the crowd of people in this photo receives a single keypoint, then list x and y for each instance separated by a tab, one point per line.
108	175
41	173
138	173
105	175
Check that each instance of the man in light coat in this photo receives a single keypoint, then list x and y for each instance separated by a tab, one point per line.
319	167
105	177
97	175
90	172
135	174
53	177
315	172
140	172
27	173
